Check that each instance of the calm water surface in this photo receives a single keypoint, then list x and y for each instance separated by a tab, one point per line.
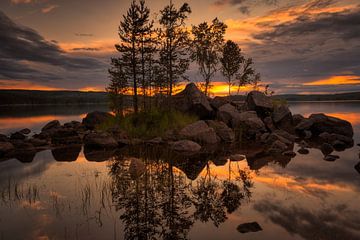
76	194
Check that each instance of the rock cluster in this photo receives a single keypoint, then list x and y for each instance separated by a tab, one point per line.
257	121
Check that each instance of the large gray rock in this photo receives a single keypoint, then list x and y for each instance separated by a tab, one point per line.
217	102
282	117
96	118
222	130
185	146
192	100
249	123
55	124
323	123
199	132
5	147
259	102
100	140
226	113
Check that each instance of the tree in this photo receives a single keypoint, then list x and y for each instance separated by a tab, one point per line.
207	43
118	86
130	35
231	61
147	48
246	74
174	43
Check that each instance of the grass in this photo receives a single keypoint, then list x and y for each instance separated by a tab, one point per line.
150	124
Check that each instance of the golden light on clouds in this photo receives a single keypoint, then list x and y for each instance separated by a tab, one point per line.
335	80
25	85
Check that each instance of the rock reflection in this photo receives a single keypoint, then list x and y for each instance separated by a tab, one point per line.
164	202
66	154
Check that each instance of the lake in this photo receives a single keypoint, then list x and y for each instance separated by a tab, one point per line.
75	194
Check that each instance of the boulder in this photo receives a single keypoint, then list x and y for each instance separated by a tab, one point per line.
357	167
17	136
222	130
217	102
192	100
96	118
249	124
185	146
330	138
331	158
4	138
269	124
273	137
137	168
286	135
199	132
277	147
55	124
323	123
339	145
291	154
297	118
25	131
282	117
226	113
73	125
65	136
326	149
38	142
259	102
100	140
5	147
303	151
305	124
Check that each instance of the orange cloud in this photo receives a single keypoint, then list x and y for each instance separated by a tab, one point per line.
100	46
49	8
26	85
335	80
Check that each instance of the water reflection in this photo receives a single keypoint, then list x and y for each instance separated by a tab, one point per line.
80	193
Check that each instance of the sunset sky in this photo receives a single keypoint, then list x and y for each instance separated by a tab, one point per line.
300	46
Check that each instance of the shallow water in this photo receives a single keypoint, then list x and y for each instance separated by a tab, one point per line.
77	194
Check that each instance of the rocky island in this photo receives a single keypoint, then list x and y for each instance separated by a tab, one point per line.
259	130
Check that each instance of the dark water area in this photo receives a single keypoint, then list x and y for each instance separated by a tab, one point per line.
76	194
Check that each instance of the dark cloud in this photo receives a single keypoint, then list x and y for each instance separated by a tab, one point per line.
337	222
310	48
22	48
86	49
245	6
84	34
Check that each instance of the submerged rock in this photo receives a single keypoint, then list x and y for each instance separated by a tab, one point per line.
326	149
291	154
303	151
96	118
331	158
249	227
199	132
192	100
185	146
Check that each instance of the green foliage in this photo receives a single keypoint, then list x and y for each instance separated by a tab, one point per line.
150	124
207	44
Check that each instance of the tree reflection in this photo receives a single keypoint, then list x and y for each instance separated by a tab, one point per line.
164	203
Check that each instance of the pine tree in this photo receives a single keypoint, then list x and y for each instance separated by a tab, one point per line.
207	43
174	37
118	86
129	35
231	61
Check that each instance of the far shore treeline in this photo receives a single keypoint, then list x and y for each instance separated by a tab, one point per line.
155	54
38	97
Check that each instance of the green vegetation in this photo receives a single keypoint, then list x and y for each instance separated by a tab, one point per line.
150	124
